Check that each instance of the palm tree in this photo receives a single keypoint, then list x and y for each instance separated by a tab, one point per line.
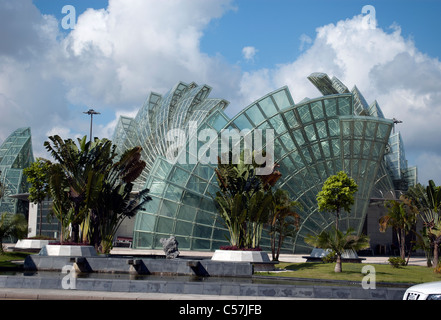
401	216
12	225
81	166
244	200
338	242
284	220
428	201
115	200
62	207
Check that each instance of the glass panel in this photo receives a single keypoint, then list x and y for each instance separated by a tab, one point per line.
184	242
310	133
199	244
165	225
325	148
297	159
147	222
316	151
219	122
307	155
203	171
145	240
367	148
268	106
278	124
202	231
153	205
281	99
291	119
382	130
168	208
305	115
180	176
330	107
357	147
183	228
336	147
287	163
347	148
334	127
208	205
298	136
191	199
243	123
196	184
287	141
163	169
317	110
370	128
321	129
204	217
255	115
358	129
186	213
344	106
157	187
173	193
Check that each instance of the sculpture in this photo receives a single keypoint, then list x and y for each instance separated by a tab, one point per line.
170	247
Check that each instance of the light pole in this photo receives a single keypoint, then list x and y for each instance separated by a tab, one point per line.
91	112
396	122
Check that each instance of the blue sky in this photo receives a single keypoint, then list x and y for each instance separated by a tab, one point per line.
276	26
121	51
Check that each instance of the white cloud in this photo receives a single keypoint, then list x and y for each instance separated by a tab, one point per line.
305	41
384	66
249	53
116	56
111	61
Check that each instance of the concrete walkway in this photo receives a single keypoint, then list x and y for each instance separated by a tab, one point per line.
295	258
53	294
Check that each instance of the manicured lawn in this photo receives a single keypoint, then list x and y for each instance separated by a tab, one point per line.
7	257
353	272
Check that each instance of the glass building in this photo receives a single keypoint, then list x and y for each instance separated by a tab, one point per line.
15	155
313	139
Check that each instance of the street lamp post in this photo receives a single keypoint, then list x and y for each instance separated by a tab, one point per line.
396	121
91	112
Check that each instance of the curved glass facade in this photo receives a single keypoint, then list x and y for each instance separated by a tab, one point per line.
15	155
313	139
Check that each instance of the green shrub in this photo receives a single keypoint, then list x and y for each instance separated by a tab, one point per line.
330	257
396	262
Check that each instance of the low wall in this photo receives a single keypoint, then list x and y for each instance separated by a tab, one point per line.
207	287
203	267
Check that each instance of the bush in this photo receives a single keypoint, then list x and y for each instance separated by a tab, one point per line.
330	257
396	262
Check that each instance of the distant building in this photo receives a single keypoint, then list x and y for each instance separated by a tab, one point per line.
15	155
314	139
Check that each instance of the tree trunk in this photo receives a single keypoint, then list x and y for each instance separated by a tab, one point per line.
41	216
435	254
338	267
402	240
75	232
279	246
273	247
